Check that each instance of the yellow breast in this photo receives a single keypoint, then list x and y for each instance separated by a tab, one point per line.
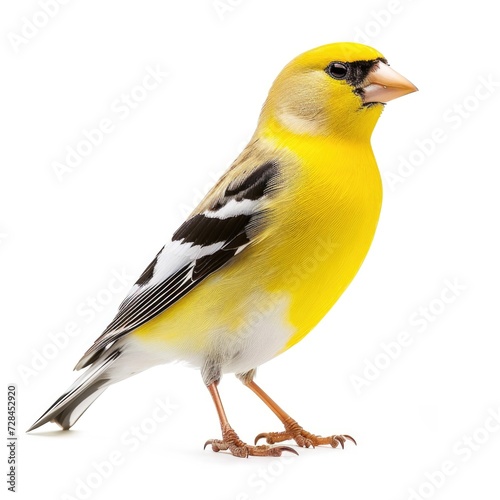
326	225
320	229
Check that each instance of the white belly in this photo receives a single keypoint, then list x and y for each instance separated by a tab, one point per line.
265	334
264	331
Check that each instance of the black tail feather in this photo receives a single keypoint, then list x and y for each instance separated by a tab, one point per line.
72	404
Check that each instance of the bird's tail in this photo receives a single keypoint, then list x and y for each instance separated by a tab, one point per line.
87	388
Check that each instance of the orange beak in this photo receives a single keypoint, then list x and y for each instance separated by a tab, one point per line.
383	84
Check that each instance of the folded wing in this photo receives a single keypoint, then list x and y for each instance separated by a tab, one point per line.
230	219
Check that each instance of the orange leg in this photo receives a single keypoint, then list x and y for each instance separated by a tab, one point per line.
292	429
230	440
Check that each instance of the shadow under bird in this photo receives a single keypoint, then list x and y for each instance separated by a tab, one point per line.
221	294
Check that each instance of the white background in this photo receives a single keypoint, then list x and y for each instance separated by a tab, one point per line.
62	240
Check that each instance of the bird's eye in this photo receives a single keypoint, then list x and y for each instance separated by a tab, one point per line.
337	70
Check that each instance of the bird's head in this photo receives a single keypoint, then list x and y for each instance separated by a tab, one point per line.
338	89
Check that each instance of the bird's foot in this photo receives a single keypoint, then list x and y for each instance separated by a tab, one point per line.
230	441
303	438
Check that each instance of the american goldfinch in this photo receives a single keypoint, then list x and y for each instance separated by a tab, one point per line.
268	251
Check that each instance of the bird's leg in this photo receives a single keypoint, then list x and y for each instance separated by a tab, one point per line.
292	429
230	440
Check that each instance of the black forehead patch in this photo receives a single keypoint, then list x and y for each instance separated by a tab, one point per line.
358	71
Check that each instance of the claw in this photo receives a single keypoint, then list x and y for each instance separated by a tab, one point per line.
304	438
340	440
244	451
259	437
287	448
350	439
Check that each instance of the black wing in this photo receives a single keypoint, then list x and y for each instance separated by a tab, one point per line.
202	245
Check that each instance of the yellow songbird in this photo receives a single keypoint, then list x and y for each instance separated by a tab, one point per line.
222	294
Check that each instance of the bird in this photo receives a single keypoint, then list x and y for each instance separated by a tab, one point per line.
267	252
